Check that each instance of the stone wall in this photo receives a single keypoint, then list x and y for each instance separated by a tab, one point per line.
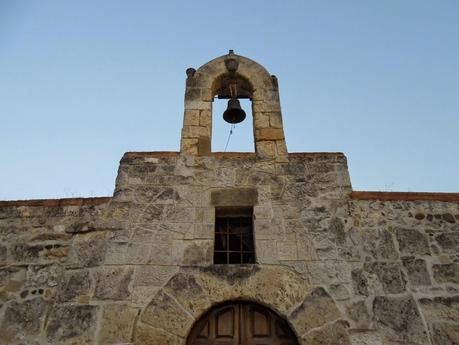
137	268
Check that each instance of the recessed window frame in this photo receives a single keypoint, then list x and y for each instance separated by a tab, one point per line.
234	240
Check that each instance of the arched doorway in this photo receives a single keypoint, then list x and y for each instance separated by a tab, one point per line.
241	323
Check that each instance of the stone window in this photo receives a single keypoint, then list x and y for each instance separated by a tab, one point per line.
234	236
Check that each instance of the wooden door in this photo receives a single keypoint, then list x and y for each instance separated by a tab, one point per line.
241	324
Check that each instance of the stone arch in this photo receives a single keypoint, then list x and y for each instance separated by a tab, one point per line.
175	308
200	90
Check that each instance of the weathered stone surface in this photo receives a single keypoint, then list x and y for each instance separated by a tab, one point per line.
44	275
22	319
334	333
74	284
234	197
448	241
360	337
440	308
164	313
360	282
412	241
146	335
187	291
88	253
379	244
116	324
399	319
153	275
389	276
339	292
32	253
445	334
317	309
198	253
72	321
417	271
113	283
448	273
358	313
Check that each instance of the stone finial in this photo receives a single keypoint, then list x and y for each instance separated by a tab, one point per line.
190	72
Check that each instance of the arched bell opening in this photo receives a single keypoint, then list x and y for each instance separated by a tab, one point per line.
241	323
235	77
232	120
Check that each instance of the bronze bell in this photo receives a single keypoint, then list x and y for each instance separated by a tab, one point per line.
234	112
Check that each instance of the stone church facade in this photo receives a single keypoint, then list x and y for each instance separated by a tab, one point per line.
198	247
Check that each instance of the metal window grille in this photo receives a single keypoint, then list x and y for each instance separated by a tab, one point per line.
234	238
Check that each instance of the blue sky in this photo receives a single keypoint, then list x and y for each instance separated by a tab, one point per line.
82	82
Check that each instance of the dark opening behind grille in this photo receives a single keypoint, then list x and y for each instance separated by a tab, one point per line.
234	236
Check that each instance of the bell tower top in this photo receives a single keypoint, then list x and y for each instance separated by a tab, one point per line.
232	77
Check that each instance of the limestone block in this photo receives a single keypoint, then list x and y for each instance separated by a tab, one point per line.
399	320
187	291
445	334
416	270
389	275
153	275
269	134
163	312
33	253
192	94
138	253
412	242
204	231
146	335
359	315
197	253
335	333
198	105
205	118
116	253
440	308
12	278
22	319
74	284
265	149
339	292
142	295
448	273
191	118
275	120
44	275
266	251
3	254
281	149
113	283
360	282
88	253
263	212
448	242
316	310
76	322
161	250
234	197
116	324
286	250
379	244
359	337
260	120
329	272
196	132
